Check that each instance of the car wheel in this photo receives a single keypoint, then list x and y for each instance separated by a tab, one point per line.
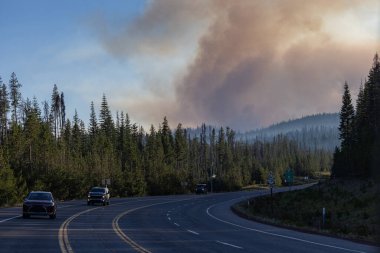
24	215
88	203
104	203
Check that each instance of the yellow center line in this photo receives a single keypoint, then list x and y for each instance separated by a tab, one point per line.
63	237
127	239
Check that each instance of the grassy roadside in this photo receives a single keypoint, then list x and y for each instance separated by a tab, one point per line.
351	209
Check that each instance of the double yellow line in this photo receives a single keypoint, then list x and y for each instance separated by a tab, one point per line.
127	239
124	237
63	237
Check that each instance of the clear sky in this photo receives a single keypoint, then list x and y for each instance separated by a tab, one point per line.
243	63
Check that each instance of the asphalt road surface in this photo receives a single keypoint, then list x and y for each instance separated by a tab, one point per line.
183	223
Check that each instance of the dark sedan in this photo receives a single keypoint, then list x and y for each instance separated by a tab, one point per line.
39	203
201	189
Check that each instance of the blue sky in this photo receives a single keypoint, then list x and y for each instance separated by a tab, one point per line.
243	64
52	42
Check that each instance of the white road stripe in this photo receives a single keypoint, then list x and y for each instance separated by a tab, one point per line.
169	218
1	221
278	235
176	224
231	245
193	232
124	237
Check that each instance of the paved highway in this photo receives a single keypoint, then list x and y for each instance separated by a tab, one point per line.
183	223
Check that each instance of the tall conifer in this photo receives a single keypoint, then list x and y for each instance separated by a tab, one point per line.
15	96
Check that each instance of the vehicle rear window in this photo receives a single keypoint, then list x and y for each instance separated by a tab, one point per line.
98	190
39	196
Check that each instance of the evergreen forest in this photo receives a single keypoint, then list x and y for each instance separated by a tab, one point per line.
42	149
359	127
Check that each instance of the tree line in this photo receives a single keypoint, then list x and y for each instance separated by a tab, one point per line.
41	149
359	152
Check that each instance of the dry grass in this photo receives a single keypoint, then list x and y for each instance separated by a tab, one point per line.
351	209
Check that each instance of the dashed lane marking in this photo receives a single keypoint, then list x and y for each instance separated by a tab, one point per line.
193	232
127	239
229	244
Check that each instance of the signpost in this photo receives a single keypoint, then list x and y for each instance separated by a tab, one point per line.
212	179
323	217
271	182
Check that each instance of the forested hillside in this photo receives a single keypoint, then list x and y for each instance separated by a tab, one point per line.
41	149
318	131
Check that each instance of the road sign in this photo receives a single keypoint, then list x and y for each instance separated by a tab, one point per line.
106	181
289	176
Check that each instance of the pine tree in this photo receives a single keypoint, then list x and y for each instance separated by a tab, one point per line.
105	117
93	125
76	134
167	142
373	96
31	129
4	109
62	112
56	110
8	192
359	154
15	96
212	138
347	114
180	148
343	161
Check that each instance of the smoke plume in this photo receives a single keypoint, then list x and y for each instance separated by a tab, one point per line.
254	62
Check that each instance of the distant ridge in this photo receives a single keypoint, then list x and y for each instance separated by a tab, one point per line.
319	131
325	120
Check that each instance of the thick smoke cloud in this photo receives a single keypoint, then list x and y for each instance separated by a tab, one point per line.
257	62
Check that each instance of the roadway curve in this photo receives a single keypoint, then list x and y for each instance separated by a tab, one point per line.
183	223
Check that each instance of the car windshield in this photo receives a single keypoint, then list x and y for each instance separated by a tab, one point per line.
40	196
102	190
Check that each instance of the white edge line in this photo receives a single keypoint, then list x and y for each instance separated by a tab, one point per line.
12	218
231	245
193	232
19	216
278	235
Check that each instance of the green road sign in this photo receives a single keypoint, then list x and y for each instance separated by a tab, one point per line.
289	176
